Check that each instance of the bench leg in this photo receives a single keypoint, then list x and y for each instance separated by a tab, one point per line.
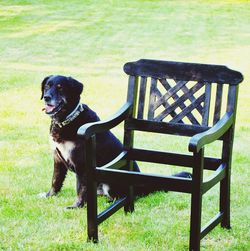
196	202
92	213
129	206
195	222
90	153
226	182
225	202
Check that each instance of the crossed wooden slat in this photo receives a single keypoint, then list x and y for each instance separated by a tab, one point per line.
157	99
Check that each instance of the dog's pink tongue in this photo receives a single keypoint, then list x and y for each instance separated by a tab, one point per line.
49	108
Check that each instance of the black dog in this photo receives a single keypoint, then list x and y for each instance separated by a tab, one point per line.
62	103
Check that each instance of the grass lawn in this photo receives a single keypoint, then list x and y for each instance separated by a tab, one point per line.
91	40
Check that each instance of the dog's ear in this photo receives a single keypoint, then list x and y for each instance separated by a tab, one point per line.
75	86
43	84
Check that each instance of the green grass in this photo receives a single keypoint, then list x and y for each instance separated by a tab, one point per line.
91	40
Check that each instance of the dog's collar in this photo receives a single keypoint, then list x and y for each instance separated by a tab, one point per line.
75	113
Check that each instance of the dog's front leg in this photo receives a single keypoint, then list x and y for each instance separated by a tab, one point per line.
59	175
81	189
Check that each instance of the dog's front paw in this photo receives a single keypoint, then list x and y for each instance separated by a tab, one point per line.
50	193
77	204
42	195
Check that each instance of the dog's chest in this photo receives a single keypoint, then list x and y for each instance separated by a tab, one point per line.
65	148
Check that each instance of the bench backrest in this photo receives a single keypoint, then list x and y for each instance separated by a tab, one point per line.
181	93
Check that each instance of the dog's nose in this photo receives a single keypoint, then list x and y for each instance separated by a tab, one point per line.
47	98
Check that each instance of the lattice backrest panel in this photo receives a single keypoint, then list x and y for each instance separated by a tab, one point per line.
177	92
179	101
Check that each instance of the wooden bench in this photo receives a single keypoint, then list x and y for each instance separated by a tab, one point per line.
183	99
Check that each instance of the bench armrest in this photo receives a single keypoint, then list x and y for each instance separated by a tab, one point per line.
214	133
89	129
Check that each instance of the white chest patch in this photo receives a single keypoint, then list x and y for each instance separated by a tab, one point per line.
65	148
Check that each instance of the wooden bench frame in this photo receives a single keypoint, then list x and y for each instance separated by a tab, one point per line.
142	116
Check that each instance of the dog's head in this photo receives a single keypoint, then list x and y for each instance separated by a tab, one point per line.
61	94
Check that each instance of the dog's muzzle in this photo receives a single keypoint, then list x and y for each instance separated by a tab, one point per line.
52	110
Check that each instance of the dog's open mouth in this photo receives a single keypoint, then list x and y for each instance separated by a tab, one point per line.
49	108
52	109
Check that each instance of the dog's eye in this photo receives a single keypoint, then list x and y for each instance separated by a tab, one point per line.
59	87
47	86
